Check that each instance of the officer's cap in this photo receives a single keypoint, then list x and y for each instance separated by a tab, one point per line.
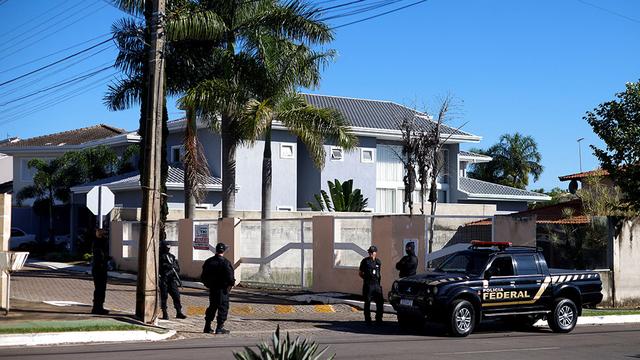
372	249
221	248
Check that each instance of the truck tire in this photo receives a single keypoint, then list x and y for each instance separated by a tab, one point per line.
462	318
564	316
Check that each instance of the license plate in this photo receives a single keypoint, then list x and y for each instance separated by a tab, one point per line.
406	302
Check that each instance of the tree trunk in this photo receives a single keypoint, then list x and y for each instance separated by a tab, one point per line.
51	200
433	198
265	214
191	142
228	168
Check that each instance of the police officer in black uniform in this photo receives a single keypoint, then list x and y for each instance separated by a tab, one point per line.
99	268
371	289
409	263
217	275
169	281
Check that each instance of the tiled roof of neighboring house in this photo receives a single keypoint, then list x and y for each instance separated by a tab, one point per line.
131	180
375	114
71	137
564	213
584	174
479	187
472	154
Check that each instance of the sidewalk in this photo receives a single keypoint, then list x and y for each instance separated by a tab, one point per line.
64	292
38	323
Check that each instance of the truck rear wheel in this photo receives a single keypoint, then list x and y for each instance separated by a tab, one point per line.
462	318
564	316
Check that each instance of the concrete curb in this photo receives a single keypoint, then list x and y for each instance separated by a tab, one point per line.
82	337
326	299
608	319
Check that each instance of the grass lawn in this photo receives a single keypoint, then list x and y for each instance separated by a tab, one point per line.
27	327
605	312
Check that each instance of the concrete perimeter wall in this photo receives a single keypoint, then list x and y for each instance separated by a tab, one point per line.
626	267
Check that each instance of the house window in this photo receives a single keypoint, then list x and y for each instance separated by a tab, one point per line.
366	155
284	208
177	153
337	153
286	151
386	201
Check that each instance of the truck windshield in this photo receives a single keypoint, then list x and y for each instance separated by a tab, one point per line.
469	262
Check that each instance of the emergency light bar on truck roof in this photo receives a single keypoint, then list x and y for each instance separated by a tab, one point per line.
499	244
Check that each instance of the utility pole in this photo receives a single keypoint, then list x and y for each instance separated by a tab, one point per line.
580	152
147	287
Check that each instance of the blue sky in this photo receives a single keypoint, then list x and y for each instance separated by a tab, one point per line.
529	66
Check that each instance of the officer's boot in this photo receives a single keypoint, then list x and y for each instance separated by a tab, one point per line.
220	330
179	314
207	327
165	315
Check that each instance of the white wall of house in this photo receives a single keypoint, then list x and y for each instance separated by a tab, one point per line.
389	178
284	173
23	175
6	168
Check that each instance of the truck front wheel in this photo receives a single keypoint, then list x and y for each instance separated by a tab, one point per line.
462	318
564	316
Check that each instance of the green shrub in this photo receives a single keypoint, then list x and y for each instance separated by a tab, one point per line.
284	349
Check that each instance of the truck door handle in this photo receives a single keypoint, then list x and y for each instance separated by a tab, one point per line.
512	283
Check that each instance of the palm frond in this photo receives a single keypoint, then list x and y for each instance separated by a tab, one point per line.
123	94
133	7
196	25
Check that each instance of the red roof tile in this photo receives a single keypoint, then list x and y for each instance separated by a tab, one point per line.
70	137
584	174
552	214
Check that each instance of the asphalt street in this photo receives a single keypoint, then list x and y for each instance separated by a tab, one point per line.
357	342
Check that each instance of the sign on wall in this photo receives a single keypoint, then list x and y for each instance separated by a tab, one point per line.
201	237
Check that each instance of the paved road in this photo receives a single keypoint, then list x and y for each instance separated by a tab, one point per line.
586	342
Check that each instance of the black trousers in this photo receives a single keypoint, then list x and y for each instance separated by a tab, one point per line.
100	289
218	302
372	292
169	286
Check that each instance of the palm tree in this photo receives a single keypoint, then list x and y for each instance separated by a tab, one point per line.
515	157
288	66
186	63
237	27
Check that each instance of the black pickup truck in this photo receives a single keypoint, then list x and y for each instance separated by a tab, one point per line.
494	279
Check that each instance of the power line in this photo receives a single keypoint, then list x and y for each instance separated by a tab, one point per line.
362	9
50	34
16	39
14	92
56	100
46	12
76	79
609	11
379	15
56	62
53	53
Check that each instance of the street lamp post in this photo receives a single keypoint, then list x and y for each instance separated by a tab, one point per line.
580	152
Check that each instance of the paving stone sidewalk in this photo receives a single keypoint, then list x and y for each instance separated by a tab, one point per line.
252	312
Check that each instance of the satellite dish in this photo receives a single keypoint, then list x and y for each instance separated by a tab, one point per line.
573	186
